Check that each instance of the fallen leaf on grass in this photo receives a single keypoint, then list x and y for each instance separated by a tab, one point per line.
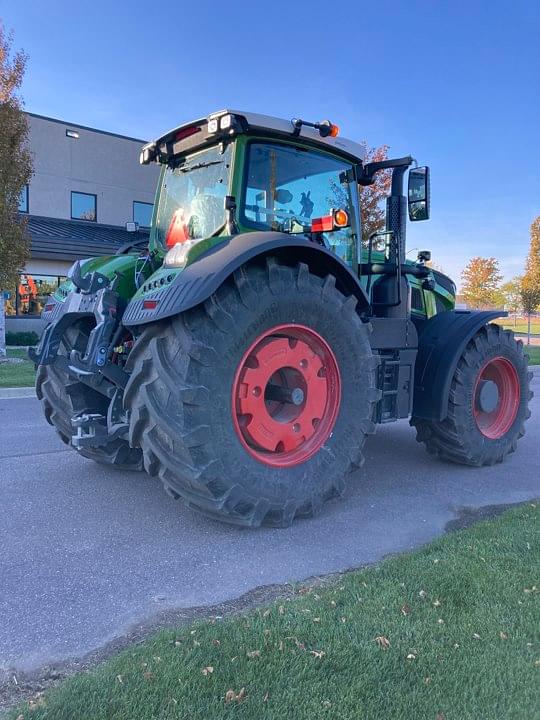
254	654
405	609
35	703
333	603
119	679
318	653
216	642
148	675
266	696
382	642
207	670
281	610
476	636
316	620
422	594
266	613
232	696
411	656
436	603
503	635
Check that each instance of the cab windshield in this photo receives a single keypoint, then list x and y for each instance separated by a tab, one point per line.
191	203
287	188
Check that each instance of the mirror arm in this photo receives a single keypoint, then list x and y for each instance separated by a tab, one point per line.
367	172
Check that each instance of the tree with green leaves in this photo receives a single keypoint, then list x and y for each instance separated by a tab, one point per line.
530	284
511	296
481	280
15	171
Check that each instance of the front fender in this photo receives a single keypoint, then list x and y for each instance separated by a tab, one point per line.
199	280
440	345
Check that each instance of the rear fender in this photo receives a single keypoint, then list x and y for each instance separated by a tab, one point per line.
441	343
199	280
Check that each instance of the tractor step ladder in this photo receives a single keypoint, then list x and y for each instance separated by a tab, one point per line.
387	407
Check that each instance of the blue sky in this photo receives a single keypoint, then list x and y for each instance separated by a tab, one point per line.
456	84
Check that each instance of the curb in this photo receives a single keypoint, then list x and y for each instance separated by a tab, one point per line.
20	392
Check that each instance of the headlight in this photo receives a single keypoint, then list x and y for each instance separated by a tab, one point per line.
177	255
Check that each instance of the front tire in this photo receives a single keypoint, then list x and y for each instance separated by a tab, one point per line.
488	402
62	398
239	442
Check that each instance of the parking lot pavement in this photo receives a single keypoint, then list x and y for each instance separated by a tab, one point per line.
87	552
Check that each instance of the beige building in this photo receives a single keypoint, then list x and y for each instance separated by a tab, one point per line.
87	185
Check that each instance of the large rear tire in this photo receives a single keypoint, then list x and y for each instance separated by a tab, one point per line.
62	398
488	402
254	407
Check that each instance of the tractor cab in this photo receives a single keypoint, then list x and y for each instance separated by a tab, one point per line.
235	173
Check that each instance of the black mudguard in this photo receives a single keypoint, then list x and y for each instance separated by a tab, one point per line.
442	341
203	277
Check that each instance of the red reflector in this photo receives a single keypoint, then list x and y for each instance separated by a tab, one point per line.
322	224
187	132
49	307
150	304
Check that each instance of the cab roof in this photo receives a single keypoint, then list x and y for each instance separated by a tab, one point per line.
180	139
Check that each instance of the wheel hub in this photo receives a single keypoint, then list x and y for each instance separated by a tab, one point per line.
286	395
487	396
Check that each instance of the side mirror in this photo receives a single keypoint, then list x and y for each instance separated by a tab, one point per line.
418	195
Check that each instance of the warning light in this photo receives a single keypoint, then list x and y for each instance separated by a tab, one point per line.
341	218
334	131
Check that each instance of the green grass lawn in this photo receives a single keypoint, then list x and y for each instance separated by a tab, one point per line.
448	632
521	325
533	351
19	374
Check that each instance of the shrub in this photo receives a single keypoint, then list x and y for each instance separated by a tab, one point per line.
22	338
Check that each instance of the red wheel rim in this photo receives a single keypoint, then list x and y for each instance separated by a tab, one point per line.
500	374
286	395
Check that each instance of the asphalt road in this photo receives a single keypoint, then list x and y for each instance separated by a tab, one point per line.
86	553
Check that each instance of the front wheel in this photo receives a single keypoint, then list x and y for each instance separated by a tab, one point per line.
62	398
254	407
488	402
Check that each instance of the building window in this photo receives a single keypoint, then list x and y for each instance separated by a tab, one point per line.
142	213
23	200
83	206
31	294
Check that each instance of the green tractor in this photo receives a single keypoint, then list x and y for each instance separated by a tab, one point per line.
245	355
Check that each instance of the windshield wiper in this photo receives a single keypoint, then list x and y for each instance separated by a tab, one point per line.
200	165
